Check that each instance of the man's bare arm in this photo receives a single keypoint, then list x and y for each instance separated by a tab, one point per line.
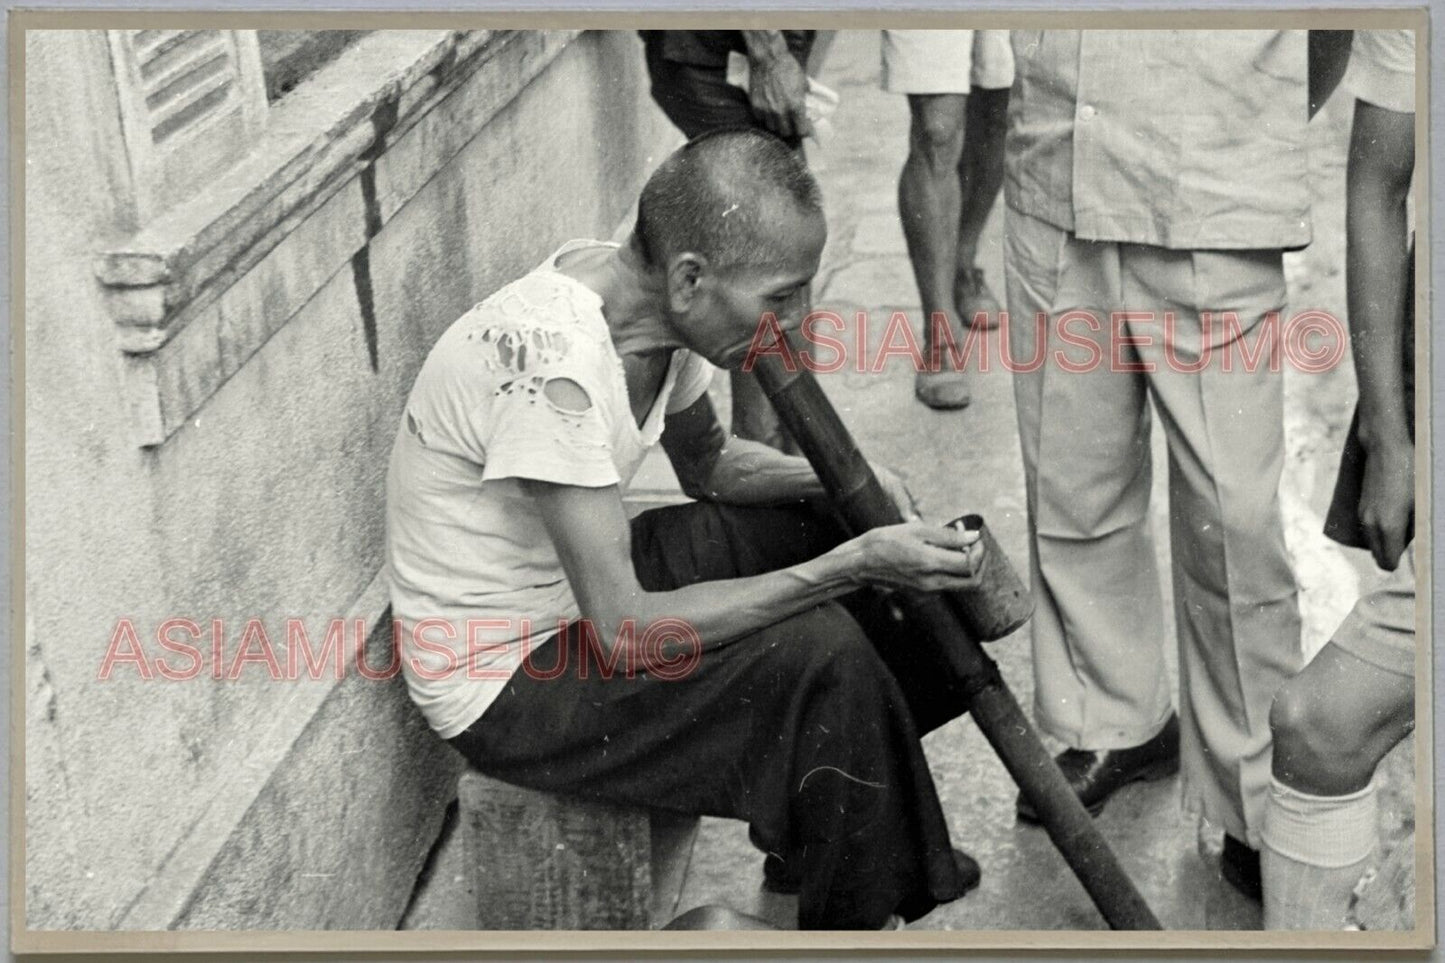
1381	162
590	531
712	466
777	84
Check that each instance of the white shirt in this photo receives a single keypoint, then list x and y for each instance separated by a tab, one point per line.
1382	69
465	545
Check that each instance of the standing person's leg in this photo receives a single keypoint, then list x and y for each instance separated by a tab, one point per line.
932	68
980	171
1332	725
1098	626
1235	600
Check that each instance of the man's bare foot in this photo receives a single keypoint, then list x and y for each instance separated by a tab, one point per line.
972	296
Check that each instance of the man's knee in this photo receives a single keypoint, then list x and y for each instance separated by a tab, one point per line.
1314	749
830	643
936	133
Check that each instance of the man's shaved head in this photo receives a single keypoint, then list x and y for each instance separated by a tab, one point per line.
728	196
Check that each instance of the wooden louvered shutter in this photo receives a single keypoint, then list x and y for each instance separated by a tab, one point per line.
192	103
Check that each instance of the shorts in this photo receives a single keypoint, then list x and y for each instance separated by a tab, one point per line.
946	61
1380	629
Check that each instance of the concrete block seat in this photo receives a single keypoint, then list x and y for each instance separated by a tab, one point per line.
542	861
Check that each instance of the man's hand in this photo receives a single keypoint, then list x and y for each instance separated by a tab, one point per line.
1387	502
777	84
916	556
897	492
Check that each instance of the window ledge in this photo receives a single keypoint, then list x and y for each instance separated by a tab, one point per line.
170	276
315	140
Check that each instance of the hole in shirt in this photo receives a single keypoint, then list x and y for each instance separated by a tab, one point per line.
518	348
413	426
566	396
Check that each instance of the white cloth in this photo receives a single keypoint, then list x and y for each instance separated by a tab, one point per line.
946	61
1316	850
464	542
1382	69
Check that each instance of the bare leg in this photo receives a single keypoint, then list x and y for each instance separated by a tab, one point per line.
929	202
1336	720
980	178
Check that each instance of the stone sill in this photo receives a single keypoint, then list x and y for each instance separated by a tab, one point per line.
171	276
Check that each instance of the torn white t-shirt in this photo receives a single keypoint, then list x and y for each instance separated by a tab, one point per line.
475	581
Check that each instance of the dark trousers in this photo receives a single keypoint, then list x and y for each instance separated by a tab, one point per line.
699	99
802	729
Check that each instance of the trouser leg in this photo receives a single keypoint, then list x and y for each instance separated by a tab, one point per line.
1235	599
697	99
1098	628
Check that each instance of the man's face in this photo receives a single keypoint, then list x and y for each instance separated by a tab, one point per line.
723	319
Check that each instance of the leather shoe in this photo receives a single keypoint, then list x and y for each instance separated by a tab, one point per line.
1239	865
778	876
1097	775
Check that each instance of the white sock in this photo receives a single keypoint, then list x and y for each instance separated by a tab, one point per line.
1316	848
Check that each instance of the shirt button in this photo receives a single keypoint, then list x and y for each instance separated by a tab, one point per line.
1087	112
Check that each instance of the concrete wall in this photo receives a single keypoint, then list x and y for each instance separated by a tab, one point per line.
253	802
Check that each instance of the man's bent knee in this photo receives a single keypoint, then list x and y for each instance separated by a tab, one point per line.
936	134
1313	752
830	640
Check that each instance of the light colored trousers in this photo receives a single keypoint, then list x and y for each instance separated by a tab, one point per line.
1098	632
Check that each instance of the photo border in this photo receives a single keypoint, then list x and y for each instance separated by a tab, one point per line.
25	940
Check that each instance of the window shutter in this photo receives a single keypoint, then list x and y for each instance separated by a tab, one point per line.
192	103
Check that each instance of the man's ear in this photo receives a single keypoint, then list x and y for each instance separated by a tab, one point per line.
685	274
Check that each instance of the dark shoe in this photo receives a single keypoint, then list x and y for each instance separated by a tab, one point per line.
943	390
779	878
1095	776
968	870
1239	865
972	297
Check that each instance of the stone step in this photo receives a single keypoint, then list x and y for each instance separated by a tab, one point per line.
519	859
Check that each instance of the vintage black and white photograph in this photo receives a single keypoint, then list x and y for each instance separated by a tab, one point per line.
490	479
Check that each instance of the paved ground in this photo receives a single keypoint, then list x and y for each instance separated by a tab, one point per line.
969	460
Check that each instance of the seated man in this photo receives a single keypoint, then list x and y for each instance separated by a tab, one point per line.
505	515
688	72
